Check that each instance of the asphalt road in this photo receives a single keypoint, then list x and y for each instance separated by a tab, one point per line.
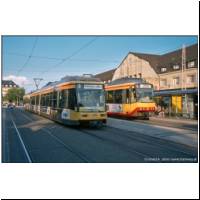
27	137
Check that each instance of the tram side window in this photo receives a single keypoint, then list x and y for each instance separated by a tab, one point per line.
42	100
118	96
62	99
133	96
126	96
51	99
37	100
47	100
54	99
109	96
32	100
72	101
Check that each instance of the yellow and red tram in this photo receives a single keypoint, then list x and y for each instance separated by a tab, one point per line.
129	97
73	101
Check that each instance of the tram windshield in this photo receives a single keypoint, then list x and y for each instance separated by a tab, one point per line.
144	94
91	98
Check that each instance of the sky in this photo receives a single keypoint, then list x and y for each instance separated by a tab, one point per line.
53	57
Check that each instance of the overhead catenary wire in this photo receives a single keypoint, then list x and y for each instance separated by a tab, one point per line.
71	60
36	57
29	57
70	56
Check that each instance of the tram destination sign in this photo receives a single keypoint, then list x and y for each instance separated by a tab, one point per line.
144	86
93	87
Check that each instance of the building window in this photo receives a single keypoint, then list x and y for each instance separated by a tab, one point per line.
176	81
6	85
176	66
163	82
10	86
191	78
163	69
191	64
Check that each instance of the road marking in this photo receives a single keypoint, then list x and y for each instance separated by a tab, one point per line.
22	143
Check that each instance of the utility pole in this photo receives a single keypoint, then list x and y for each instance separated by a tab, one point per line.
37	82
183	75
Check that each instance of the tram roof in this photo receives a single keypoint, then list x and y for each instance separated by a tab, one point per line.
126	80
68	79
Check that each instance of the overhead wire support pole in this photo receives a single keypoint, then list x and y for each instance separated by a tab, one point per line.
37	82
184	82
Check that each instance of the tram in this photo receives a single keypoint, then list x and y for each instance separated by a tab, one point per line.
129	97
73	100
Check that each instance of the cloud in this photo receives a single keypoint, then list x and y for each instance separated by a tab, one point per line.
19	80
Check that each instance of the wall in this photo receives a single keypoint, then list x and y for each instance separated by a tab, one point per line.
170	76
133	65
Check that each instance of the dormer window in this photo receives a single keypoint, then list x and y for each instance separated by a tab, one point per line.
176	66
163	69
191	64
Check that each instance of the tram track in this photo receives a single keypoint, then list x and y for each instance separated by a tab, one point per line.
115	143
144	139
92	135
66	146
154	142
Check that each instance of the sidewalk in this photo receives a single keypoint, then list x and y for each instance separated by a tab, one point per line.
178	135
176	120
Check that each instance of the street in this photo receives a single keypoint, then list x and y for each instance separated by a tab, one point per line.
27	137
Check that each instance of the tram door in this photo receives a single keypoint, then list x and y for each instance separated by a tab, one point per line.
126	100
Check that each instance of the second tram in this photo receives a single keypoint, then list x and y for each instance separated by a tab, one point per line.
129	97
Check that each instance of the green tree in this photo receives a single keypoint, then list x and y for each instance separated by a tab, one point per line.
15	95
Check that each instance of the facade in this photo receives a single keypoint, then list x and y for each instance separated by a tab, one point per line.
175	83
6	85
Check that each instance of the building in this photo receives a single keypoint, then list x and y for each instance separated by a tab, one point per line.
106	76
6	85
175	82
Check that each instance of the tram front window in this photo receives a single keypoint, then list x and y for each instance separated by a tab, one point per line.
144	94
91	100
